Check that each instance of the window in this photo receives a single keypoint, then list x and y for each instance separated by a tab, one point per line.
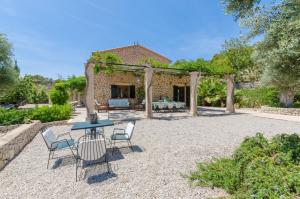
121	91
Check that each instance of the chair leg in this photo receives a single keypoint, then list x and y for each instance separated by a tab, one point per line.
106	160
131	145
76	169
113	147
48	159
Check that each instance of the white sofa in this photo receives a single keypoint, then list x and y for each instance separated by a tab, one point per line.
118	103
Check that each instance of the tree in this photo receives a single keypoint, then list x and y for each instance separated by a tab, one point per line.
278	53
77	83
9	72
21	92
59	94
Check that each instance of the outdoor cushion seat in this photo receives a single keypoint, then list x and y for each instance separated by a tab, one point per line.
118	103
65	143
119	137
55	143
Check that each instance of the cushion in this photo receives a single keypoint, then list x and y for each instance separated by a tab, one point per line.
64	144
119	137
118	103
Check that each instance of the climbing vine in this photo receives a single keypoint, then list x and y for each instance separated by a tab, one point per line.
106	62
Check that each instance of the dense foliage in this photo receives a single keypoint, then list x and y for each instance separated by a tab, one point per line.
44	114
9	71
76	83
212	92
257	97
21	92
278	53
259	168
153	63
59	94
105	62
52	113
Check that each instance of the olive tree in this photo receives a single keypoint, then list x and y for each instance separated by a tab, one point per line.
9	71
279	51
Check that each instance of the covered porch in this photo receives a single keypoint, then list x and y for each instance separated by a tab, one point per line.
182	88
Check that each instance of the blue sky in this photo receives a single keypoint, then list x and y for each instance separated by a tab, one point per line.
55	37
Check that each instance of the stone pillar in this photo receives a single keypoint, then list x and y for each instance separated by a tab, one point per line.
193	92
89	89
148	92
230	94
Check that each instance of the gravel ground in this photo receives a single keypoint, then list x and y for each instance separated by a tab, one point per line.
163	150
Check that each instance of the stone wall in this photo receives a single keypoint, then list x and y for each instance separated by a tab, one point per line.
162	84
5	129
283	111
15	140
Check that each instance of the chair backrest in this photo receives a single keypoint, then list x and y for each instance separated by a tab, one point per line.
91	148
129	129
49	137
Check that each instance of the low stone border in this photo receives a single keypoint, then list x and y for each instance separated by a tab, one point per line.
5	129
57	123
282	111
13	142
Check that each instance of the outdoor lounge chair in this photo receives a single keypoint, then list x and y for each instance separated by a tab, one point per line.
55	143
90	151
123	135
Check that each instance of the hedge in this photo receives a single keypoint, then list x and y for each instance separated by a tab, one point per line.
44	114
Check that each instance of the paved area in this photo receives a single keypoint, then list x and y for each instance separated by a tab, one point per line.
164	149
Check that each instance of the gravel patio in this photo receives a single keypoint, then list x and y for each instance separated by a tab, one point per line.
164	149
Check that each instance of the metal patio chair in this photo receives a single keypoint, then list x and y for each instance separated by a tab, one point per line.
56	143
123	135
91	151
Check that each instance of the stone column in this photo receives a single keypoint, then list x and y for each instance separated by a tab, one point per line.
148	92
89	89
230	94
193	93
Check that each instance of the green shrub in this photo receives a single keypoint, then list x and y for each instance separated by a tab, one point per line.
258	169
9	117
257	97
44	114
212	92
53	113
59	93
21	92
43	97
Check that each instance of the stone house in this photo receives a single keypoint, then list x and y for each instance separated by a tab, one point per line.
129	83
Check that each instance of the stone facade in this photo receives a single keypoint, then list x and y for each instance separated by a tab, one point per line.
162	84
282	111
15	140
